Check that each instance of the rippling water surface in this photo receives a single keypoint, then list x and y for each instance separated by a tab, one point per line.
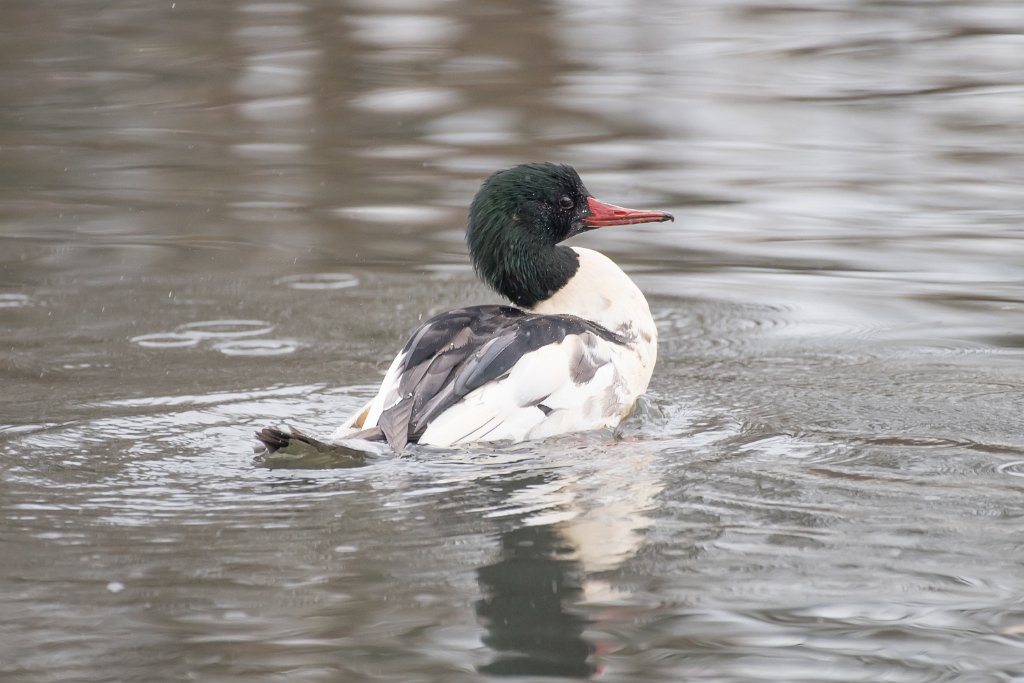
218	216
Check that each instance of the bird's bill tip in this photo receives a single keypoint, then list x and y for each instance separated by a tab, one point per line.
603	215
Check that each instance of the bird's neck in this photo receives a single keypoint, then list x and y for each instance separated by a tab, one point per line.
599	291
526	273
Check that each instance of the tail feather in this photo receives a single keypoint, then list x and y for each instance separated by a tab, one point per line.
291	447
275	439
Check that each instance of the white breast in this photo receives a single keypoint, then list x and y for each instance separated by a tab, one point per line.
601	292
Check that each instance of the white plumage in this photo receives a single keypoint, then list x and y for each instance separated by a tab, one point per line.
583	382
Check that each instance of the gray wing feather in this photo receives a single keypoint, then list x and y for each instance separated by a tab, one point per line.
459	351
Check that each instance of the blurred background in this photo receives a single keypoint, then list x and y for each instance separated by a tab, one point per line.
220	215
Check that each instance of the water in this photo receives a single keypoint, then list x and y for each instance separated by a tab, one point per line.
219	216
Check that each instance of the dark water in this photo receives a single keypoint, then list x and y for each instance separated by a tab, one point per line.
217	216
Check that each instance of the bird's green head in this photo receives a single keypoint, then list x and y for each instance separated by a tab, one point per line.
519	216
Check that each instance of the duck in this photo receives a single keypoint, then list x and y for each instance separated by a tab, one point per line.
573	352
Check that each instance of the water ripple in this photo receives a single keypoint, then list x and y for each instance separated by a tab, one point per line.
230	337
1013	469
319	281
13	300
258	347
220	329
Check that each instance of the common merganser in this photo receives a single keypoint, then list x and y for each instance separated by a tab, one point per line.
574	354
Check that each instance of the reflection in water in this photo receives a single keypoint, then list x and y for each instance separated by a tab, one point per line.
575	525
527	606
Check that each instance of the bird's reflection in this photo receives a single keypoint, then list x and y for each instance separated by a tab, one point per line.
527	606
576	523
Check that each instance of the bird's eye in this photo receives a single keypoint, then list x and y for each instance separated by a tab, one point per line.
566	202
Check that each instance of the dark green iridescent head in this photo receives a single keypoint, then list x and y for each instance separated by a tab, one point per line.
517	220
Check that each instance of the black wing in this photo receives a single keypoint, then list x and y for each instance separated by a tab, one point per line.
461	350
